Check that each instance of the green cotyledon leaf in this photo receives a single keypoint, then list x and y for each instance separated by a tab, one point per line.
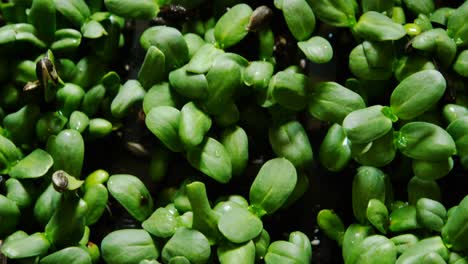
189	243
455	231
164	122
374	248
232	26
329	101
132	194
425	141
300	18
128	246
417	252
75	255
231	253
290	140
316	49
335	150
272	186
366	125
378	27
368	183
211	158
35	165
338	13
193	126
136	9
170	41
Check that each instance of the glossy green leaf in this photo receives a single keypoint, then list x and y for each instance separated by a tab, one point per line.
377	214
403	219
66	40
372	60
456	27
192	86
239	225
67	151
34	245
353	236
236	143
153	68
170	41
224	78
420	6
128	246
72	255
188	243
203	59
10	214
338	13
329	101
162	223
368	183
408	65
132	194
419	188
331	224
75	11
381	152
69	98
129	95
21	124
232	26
272	186
455	232
377	5
79	121
289	89
460	65
96	197
416	253
159	95
139	9
46	204
375	26
425	141
233	253
300	19
432	170
40	9
194	124
211	158
403	242
437	42
374	248
431	214
290	140
164	122
335	150
317	49
35	165
194	43
366	125
92	29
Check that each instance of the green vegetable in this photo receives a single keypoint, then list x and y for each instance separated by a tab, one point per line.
272	186
300	19
187	243
128	246
140	9
232	26
132	194
366	125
